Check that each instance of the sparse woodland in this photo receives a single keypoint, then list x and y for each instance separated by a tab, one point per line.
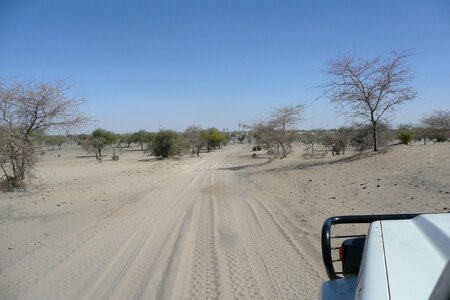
367	91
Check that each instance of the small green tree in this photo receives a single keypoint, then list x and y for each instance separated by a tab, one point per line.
406	133
54	141
214	138
98	140
142	137
126	139
405	138
167	143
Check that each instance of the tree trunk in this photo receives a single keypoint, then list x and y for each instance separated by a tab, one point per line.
375	143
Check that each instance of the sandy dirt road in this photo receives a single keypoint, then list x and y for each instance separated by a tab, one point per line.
200	231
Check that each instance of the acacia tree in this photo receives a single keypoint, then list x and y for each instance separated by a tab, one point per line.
98	140
312	137
277	133
194	135
283	120
125	138
54	140
214	138
142	137
27	109
438	125
368	90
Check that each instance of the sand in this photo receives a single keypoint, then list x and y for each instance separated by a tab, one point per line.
221	226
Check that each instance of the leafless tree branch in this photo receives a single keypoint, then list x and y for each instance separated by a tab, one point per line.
369	90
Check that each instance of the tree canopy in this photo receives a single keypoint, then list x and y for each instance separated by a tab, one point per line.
167	143
368	90
98	140
214	138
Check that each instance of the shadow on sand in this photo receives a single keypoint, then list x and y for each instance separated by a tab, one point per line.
242	167
149	159
85	156
341	160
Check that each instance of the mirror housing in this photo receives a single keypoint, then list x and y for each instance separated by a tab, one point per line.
350	254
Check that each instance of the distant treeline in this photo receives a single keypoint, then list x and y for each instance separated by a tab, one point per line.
164	143
434	128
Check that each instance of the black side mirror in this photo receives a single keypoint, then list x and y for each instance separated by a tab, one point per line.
350	253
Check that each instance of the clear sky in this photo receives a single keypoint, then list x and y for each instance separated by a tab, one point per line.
169	64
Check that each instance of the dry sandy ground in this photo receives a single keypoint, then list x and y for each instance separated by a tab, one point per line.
221	226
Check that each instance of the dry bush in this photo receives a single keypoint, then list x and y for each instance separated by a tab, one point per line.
277	134
18	155
438	125
362	137
28	110
337	141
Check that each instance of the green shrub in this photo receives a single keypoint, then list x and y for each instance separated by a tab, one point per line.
214	138
167	143
405	138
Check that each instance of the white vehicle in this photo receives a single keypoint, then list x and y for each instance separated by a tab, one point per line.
401	257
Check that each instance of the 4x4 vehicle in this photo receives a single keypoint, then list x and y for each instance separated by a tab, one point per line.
403	256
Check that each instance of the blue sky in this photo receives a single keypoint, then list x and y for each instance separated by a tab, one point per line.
169	64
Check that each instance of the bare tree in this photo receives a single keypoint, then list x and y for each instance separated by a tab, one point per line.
283	120
369	90
277	134
25	110
194	135
438	125
312	137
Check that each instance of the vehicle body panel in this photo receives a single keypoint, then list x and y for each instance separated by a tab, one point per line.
372	281
402	259
339	289
416	252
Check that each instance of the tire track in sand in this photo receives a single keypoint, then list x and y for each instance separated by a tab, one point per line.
285	265
205	270
243	282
